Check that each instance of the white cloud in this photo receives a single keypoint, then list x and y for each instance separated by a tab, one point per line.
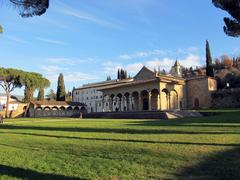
190	61
71	77
52	69
143	54
16	39
134	68
81	15
159	52
164	63
125	56
68	61
52	72
111	68
51	41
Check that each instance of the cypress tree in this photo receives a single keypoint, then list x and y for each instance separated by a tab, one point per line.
121	74
61	93
118	74
209	65
40	96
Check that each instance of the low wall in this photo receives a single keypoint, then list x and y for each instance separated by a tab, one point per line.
226	98
127	115
54	113
144	114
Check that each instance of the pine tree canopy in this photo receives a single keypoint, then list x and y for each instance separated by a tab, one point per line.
232	25
29	8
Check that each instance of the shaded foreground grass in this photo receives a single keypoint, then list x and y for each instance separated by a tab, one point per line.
194	148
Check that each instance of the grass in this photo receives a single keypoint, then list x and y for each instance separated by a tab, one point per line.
193	148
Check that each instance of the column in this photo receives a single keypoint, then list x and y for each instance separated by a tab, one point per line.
127	103
139	108
112	101
123	103
149	101
119	104
169	102
130	102
103	104
159	102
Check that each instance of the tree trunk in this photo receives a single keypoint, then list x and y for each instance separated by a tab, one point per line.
7	104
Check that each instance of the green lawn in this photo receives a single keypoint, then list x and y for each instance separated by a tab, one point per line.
197	148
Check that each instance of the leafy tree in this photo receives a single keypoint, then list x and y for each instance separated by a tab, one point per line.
209	66
9	80
32	82
227	61
51	95
1	29
231	78
61	93
232	25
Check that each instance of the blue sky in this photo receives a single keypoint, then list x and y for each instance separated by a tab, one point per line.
88	40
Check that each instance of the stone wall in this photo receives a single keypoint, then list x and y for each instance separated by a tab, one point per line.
226	98
199	92
54	113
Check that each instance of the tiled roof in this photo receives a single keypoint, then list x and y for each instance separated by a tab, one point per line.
57	103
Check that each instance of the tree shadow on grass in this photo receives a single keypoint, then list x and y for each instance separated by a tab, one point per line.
222	120
115	130
123	140
15	172
223	165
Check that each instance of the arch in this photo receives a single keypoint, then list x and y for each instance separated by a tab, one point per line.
69	108
119	95
135	100
62	108
119	102
83	110
47	108
164	99
111	102
39	108
196	103
55	108
155	99
145	100
173	99
126	105
76	108
112	96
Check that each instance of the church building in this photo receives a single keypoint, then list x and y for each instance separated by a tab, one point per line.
148	91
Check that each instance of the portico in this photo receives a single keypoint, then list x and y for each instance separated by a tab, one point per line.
148	91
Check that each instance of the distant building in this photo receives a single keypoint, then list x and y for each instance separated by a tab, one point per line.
13	103
177	69
148	91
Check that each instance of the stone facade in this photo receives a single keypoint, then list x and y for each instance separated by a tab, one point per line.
199	91
55	109
149	91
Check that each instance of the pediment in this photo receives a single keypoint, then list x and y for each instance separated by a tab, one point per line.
145	73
